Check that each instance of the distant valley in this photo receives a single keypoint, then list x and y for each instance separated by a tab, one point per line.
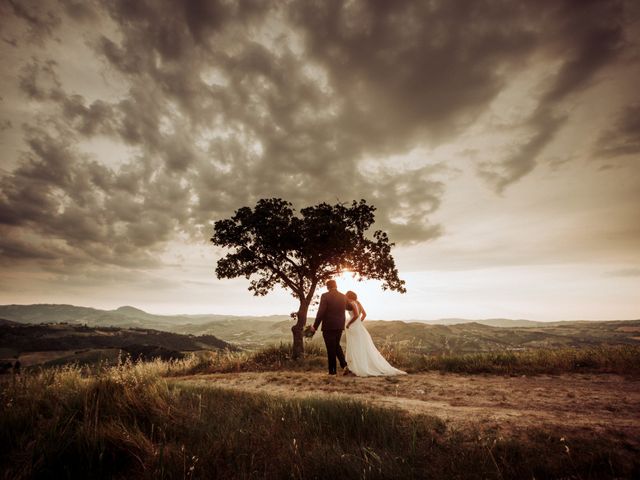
248	332
58	343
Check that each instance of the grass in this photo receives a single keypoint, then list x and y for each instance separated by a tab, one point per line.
269	358
618	359
131	421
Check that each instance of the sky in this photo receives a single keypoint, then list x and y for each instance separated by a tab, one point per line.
498	140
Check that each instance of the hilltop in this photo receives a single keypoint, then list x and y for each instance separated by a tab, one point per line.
542	414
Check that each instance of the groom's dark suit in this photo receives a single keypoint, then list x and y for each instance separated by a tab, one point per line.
331	314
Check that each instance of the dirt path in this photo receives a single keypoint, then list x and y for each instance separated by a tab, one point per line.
594	402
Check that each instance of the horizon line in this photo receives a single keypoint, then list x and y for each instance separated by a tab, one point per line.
287	315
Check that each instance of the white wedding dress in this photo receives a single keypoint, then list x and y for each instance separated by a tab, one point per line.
363	358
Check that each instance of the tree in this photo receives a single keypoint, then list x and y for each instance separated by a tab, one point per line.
272	245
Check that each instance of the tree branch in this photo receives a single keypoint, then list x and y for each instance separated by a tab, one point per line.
296	289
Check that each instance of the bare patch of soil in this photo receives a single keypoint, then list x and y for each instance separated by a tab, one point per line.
592	402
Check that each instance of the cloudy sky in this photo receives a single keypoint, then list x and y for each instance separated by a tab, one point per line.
499	141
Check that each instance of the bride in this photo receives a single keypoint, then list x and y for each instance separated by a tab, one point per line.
363	358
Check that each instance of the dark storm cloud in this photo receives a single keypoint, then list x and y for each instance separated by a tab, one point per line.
57	194
229	102
624	136
356	92
38	79
105	216
81	10
88	120
585	36
20	249
413	70
543	126
41	20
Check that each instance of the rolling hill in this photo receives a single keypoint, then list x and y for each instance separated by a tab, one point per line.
476	337
448	335
125	316
64	342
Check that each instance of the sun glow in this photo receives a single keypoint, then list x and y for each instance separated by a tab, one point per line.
369	292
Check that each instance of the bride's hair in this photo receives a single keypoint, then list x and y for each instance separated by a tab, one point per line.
351	295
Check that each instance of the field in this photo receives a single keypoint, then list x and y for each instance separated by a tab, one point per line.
568	402
225	399
229	414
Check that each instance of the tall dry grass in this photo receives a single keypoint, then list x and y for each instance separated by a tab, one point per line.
132	420
268	358
619	359
128	421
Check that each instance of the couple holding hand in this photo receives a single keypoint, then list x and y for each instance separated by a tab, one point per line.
363	358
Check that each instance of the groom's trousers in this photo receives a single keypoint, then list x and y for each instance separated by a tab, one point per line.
332	342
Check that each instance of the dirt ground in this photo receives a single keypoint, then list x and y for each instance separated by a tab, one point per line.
591	402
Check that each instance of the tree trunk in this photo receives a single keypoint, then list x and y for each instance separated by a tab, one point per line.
297	330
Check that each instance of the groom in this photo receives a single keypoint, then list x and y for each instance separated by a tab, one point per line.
331	314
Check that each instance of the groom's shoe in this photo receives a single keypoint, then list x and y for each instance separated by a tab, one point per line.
346	371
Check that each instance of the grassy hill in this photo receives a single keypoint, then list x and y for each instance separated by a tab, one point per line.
475	337
425	338
125	316
64	343
247	333
453	335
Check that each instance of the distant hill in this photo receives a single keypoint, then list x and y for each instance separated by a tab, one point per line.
125	316
476	337
132	316
450	334
243	332
17	339
492	322
7	322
